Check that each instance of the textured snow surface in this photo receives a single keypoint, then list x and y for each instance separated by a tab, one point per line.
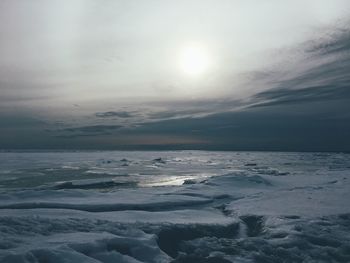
182	206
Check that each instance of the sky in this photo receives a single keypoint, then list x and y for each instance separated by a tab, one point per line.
159	74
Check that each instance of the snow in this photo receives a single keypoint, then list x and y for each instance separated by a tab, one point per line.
182	206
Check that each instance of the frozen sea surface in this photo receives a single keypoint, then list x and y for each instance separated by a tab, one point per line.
181	206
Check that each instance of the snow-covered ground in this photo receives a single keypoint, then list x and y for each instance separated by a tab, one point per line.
181	206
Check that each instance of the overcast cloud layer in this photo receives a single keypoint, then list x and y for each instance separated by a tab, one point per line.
92	75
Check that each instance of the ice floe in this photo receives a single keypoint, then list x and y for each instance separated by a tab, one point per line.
181	206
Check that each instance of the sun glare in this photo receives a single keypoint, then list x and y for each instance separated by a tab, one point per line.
194	60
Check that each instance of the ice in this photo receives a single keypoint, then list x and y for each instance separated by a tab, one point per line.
181	206
93	184
89	247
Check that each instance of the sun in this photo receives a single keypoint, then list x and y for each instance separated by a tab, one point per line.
194	60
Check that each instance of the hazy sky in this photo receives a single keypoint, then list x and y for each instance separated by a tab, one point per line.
238	74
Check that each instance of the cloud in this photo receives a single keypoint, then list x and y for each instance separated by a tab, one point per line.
304	127
337	42
305	110
110	114
84	131
322	75
310	94
304	107
175	113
